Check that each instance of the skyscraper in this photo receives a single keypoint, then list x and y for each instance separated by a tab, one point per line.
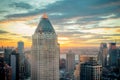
14	63
7	55
20	47
70	61
21	60
102	55
90	70
27	68
113	54
45	52
5	69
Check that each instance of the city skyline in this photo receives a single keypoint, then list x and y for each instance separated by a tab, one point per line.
85	24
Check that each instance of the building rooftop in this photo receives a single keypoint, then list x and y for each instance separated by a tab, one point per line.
44	25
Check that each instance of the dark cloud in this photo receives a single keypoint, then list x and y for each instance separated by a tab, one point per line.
4	39
68	32
27	37
106	3
21	5
68	10
90	19
111	34
77	35
14	34
99	37
95	27
2	11
29	13
85	9
74	34
3	32
81	8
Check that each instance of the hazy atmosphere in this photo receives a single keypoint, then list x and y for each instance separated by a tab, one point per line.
77	23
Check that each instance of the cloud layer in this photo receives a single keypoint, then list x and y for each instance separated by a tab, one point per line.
88	22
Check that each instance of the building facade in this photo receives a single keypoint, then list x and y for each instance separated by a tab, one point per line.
45	52
113	54
90	70
77	72
102	55
70	61
20	47
21	60
8	51
85	57
14	63
5	69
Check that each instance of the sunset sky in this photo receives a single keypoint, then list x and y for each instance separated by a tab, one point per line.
78	23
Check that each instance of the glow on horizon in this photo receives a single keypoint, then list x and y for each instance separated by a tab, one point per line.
20	28
88	26
64	42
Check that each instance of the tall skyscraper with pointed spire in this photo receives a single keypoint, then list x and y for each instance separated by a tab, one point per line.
45	52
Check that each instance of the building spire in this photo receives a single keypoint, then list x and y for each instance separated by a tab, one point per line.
45	16
44	25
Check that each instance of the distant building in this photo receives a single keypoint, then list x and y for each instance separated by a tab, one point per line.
118	65
8	51
14	63
2	53
90	70
62	63
45	52
27	68
102	55
113	54
20	47
5	69
20	51
77	72
85	57
70	62
8	72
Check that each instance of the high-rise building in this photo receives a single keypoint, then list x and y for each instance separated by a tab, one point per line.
2	53
62	63
70	62
118	65
45	52
90	70
113	54
14	63
5	69
102	55
20	49
27	68
8	51
13	66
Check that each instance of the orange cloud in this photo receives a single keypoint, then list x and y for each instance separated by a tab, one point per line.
118	30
